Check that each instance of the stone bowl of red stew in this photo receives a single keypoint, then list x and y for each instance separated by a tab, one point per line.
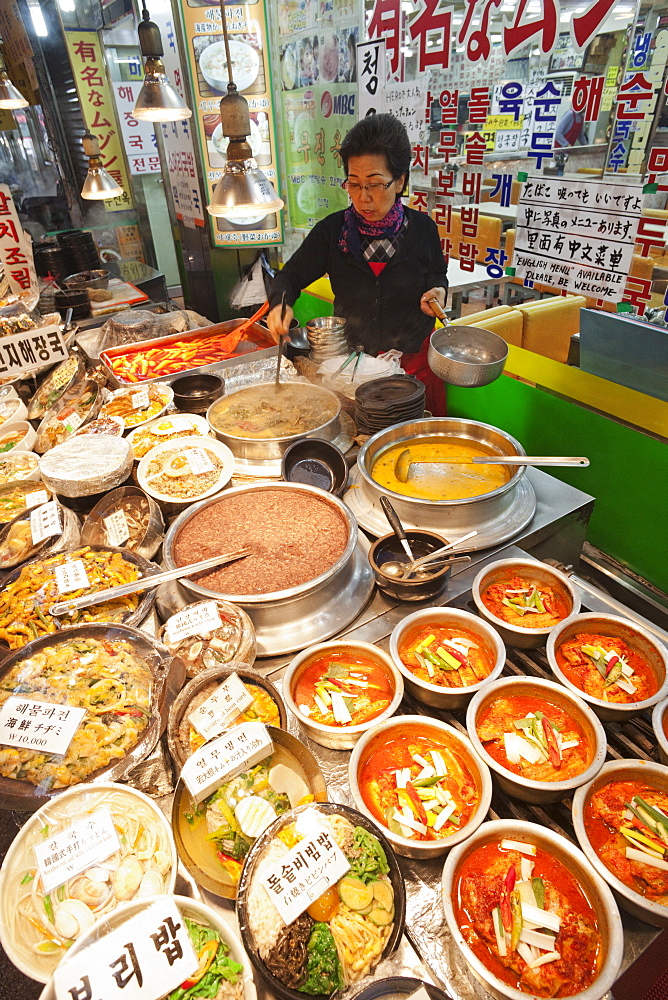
660	726
540	741
338	690
616	666
630	795
524	600
445	655
556	880
420	781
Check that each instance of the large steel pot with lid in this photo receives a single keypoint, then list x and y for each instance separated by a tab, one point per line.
496	515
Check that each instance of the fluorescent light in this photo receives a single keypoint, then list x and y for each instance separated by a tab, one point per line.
38	22
67	6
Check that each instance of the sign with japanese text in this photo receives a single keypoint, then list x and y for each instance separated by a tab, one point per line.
38	725
45	521
319	94
146	958
97	108
251	68
371	77
15	247
139	137
406	102
21	353
577	235
116	527
177	137
71	576
76	848
222	759
302	875
202	617
221	708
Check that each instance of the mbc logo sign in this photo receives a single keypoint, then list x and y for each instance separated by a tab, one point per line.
341	104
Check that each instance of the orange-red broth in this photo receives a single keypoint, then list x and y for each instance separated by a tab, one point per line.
480	661
393	751
366	704
476	892
581	670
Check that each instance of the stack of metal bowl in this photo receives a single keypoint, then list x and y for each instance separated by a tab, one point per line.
327	338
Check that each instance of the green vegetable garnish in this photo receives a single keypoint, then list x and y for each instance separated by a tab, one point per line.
48	907
323	966
371	862
221	968
28	877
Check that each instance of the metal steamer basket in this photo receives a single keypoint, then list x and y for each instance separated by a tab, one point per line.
289	620
496	516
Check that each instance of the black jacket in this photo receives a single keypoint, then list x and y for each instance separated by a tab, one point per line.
380	312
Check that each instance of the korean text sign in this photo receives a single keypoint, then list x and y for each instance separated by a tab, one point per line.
222	759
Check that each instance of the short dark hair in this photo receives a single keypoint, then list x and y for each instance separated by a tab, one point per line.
384	135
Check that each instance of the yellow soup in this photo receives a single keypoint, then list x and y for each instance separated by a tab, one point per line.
445	481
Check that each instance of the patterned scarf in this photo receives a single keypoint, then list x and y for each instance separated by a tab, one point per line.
374	242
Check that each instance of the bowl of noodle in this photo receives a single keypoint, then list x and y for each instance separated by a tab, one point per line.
38	928
342	933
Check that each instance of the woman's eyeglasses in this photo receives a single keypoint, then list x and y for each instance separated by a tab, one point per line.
353	188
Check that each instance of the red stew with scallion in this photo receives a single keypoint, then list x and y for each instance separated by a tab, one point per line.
449	656
523	603
343	688
606	668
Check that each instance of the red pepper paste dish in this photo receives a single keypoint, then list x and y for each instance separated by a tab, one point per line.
607	668
525	604
343	688
525	916
294	535
449	655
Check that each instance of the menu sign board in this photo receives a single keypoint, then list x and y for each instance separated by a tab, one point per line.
249	50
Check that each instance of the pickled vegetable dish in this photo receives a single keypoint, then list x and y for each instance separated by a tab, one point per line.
532	737
447	655
627	825
606	668
122	405
525	604
108	679
263	709
217	975
418	783
525	916
344	688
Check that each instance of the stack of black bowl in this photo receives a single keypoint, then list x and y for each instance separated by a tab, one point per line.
387	401
52	260
81	249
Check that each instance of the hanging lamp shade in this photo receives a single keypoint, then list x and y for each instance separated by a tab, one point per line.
11	99
99	185
158	101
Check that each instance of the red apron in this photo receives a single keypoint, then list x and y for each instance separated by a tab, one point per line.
417	365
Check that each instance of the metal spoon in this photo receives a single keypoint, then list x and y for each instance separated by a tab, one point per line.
423	560
396	525
397	569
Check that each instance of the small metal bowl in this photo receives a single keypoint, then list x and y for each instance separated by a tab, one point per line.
315	462
377	737
435	695
649	773
396	987
88	279
466	355
536	572
595	889
515	785
340	737
388	548
196	393
658	716
635	637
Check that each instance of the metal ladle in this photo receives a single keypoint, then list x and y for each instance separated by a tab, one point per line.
396	525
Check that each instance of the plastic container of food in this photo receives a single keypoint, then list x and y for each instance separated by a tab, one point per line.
17	436
131	405
20	495
128	518
17	466
283	779
102	425
79	405
55	385
12	410
166	472
163	429
82	899
17	544
234	640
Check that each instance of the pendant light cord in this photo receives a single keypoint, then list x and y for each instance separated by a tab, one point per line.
226	41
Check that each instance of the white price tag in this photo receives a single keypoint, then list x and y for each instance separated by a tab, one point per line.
72	421
45	521
145	959
38	725
222	759
226	703
203	617
199	461
71	576
304	873
420	994
140	399
173	425
78	847
117	528
36	498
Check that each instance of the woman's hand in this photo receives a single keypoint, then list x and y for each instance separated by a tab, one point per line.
276	327
438	307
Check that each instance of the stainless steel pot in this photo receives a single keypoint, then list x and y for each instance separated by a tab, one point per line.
287	620
258	450
460	515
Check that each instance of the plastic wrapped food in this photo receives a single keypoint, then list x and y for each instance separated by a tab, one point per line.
16	324
17	543
165	428
86	465
138	325
234	640
137	406
126	517
54	386
81	403
18	466
103	425
18	496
